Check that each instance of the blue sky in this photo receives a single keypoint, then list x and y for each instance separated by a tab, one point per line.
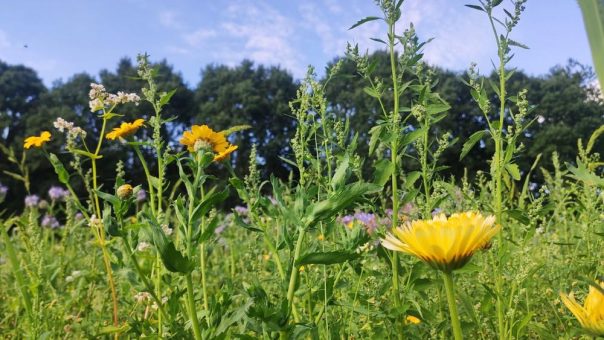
64	37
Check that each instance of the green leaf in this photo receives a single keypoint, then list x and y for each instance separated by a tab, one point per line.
383	170
519	216
476	7
330	257
410	137
59	169
513	170
362	21
469	144
581	173
172	259
165	97
345	197
496	3
411	178
517	44
339	177
593	18
372	92
211	200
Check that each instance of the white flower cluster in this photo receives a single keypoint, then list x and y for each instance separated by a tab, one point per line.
99	98
141	297
62	125
74	275
142	246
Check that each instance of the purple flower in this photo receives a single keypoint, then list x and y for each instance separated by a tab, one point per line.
31	201
57	193
369	221
78	216
50	221
242	211
141	195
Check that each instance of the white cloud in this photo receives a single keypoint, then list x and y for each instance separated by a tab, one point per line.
197	38
4	42
261	33
169	19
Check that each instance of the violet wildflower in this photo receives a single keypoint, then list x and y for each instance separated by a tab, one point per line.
31	201
57	193
141	196
50	221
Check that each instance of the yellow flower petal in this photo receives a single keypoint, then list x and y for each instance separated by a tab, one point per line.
591	314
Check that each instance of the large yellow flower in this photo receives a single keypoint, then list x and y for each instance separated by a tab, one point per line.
37	141
444	243
201	136
125	129
591	314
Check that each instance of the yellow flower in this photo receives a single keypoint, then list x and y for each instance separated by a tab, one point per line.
444	243
321	237
37	141
201	136
219	157
410	319
125	129
591	314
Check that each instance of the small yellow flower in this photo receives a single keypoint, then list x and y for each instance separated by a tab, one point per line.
301	269
410	319
266	257
221	156
444	243
201	136
125	129
321	237
124	191
37	141
591	314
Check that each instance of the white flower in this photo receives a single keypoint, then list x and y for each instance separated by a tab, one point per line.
167	230
142	246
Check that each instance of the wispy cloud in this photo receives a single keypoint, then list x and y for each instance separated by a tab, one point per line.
196	38
4	42
263	34
169	19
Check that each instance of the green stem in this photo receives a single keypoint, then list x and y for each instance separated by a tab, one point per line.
393	159
450	289
294	273
148	175
192	311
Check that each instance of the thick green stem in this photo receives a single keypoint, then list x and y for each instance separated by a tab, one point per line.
450	289
191	308
293	279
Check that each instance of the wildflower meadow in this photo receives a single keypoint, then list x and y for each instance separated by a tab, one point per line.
365	232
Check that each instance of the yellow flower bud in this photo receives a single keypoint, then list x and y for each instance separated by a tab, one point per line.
124	191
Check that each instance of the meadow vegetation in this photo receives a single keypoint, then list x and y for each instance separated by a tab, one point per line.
360	234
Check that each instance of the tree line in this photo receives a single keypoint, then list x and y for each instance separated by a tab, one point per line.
566	107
